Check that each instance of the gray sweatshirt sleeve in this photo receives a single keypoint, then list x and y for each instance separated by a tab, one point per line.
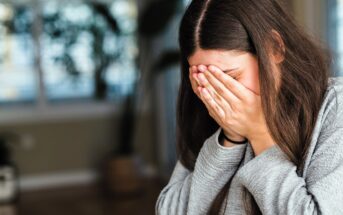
192	192
272	179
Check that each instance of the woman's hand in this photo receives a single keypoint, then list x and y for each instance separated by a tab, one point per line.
234	106
193	72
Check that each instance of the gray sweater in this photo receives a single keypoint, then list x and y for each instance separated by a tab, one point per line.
270	177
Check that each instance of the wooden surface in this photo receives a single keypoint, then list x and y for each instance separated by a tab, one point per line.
89	200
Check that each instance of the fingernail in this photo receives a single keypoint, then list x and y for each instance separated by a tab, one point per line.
202	68
211	69
202	78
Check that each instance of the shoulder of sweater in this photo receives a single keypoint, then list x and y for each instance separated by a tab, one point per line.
326	147
332	106
336	86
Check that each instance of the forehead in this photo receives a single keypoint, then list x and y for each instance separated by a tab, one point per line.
215	57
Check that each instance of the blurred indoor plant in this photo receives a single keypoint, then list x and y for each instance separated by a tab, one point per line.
151	23
122	173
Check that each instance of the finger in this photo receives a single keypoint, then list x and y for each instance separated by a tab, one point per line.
218	97
193	83
238	89
194	69
195	72
221	89
211	105
204	82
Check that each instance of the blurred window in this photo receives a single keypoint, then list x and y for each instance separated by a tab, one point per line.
17	70
334	31
84	51
339	38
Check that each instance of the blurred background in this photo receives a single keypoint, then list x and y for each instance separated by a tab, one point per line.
87	100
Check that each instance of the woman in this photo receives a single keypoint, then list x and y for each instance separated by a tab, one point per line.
260	122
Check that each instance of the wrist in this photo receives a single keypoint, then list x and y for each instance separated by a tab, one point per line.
228	144
231	141
262	138
235	138
261	143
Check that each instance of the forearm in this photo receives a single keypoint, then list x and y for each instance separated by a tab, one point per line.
193	192
261	143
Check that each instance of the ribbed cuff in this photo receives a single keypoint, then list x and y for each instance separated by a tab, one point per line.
217	156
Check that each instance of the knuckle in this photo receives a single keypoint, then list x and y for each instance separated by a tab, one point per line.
228	122
220	90
225	79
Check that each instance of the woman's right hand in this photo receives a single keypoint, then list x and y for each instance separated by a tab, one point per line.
195	83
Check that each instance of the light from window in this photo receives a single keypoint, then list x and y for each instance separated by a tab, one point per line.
339	36
85	50
17	70
91	54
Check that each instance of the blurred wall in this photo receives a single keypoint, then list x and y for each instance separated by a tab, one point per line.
72	147
312	15
63	146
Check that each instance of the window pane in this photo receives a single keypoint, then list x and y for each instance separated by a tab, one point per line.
17	70
339	38
90	55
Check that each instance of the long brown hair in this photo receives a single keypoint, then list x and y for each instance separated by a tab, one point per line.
291	110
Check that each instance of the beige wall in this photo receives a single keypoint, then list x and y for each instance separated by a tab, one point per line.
75	144
63	146
311	14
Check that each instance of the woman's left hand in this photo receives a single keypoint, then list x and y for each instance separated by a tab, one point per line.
239	106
